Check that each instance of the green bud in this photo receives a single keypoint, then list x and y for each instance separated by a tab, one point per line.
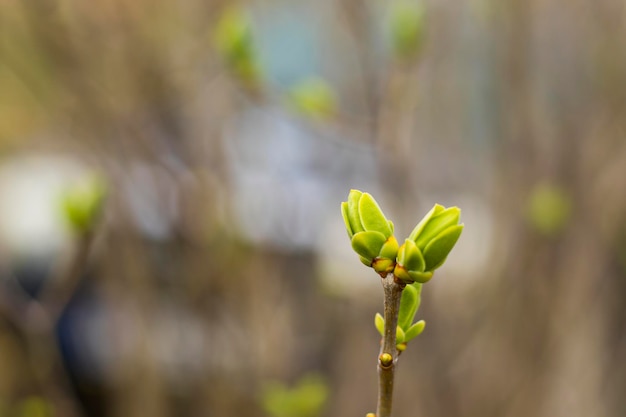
383	265
370	232
429	244
385	359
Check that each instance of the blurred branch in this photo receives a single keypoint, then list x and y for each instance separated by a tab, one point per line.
36	319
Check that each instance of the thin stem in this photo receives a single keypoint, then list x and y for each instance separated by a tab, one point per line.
388	353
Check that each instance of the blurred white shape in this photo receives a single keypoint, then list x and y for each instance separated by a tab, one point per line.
340	271
286	178
152	197
470	256
30	188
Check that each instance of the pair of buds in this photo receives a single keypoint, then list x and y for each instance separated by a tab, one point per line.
425	250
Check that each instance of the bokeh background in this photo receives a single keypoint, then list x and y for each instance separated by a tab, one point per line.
219	280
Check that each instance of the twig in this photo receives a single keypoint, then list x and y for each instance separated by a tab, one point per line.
388	353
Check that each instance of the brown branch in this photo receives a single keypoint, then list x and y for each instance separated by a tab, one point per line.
388	353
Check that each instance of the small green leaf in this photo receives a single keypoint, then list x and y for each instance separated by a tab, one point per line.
399	335
372	217
368	244
408	304
379	322
414	331
439	248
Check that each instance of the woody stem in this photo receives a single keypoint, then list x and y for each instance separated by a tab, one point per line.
388	353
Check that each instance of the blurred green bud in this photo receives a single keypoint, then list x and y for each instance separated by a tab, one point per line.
313	98
34	406
370	232
406	25
234	41
549	209
82	204
428	245
307	398
406	330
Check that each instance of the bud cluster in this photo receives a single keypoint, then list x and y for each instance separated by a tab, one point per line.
425	250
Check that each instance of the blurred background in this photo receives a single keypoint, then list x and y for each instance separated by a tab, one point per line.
217	278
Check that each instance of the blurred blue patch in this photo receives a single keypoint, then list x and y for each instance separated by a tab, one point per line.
288	43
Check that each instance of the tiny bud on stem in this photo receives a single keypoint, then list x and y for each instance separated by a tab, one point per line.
385	360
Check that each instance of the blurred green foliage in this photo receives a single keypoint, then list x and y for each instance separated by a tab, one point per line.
234	40
549	209
34	407
406	27
306	398
314	98
81	204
